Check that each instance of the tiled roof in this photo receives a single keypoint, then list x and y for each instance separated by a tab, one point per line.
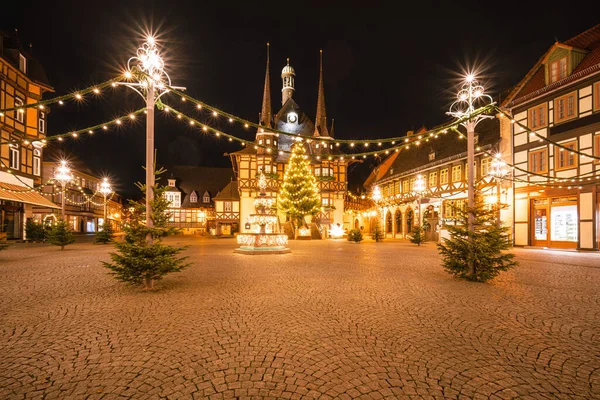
446	146
534	82
198	179
229	192
10	48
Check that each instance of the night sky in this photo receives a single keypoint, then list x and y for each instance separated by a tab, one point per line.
386	71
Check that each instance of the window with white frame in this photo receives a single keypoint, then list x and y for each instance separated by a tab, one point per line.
206	197
171	182
37	162
42	122
22	63
227	206
173	198
14	156
19	112
193	197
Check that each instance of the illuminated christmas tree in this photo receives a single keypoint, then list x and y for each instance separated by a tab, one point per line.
299	194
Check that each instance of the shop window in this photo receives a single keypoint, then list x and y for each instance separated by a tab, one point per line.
566	157
538	161
565	107
452	207
564	223
444	176
537	116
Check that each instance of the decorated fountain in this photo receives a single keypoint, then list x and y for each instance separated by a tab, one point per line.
261	241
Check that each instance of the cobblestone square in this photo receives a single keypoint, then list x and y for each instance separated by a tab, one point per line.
331	320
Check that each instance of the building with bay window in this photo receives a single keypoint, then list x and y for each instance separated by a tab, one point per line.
22	133
556	128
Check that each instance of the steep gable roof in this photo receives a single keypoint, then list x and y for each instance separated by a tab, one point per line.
534	82
446	146
198	179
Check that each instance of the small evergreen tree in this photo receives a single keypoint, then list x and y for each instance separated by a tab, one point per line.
299	194
61	234
355	235
138	261
377	233
417	235
106	235
484	251
35	232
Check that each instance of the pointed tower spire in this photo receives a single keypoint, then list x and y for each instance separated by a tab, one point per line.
321	118
266	113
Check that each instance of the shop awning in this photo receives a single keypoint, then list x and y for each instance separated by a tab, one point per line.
11	192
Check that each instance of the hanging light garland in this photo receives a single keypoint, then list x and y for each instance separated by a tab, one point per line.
78	96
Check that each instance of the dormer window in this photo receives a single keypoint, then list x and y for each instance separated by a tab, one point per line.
558	70
432	156
171	182
193	197
22	63
206	198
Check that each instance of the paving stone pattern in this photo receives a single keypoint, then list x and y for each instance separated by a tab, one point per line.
331	320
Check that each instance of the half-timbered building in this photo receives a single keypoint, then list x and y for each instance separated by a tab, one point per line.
270	153
22	133
556	127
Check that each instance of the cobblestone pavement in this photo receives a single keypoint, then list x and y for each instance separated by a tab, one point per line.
330	320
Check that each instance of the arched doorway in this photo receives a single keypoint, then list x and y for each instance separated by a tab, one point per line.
409	220
388	222
398	218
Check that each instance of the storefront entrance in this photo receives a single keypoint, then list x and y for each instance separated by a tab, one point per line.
555	222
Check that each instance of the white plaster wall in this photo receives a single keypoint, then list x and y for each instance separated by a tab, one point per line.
567	173
586	91
521	234
521	207
586	238
521	157
520	139
585	141
586	206
585	104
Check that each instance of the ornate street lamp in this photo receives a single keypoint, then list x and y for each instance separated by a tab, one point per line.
419	188
105	189
63	175
470	95
151	85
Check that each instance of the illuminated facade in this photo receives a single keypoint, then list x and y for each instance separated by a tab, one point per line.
270	153
556	202
192	192
22	130
440	162
84	204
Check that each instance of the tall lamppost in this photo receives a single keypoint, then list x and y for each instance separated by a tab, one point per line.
63	175
151	85
470	95
105	189
419	188
498	169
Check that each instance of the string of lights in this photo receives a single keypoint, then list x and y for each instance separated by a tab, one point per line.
78	95
104	126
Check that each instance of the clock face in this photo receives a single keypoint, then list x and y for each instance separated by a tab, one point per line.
292	117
